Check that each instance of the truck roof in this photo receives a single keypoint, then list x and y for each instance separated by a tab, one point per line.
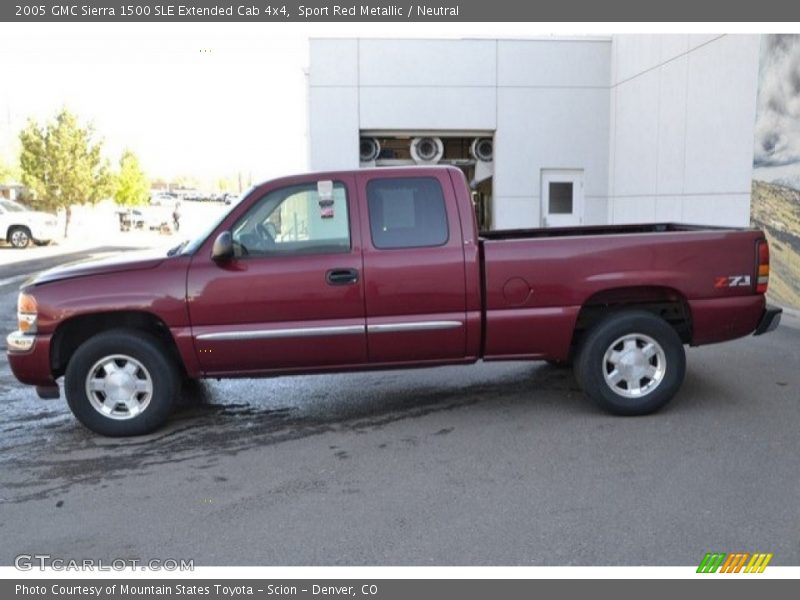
405	170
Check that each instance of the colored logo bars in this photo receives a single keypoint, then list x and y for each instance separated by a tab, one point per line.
734	563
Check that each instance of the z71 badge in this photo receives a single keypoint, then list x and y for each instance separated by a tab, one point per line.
732	281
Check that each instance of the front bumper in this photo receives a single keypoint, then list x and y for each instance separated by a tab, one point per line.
29	358
770	320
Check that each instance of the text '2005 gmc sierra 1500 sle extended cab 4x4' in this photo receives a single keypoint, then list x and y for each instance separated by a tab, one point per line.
378	269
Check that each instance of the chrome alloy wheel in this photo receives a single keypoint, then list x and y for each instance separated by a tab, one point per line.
119	387
634	365
19	239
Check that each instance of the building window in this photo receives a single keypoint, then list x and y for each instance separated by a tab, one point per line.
560	198
407	213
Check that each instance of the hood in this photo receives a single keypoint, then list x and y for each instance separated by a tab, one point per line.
128	261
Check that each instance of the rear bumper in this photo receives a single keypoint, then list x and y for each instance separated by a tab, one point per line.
721	319
29	359
769	320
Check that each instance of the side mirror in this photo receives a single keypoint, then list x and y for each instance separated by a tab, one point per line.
223	247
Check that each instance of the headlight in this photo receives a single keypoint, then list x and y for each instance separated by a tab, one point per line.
26	313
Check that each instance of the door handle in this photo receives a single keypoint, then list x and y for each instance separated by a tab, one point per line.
341	276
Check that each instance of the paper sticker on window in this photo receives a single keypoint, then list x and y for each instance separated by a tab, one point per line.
325	192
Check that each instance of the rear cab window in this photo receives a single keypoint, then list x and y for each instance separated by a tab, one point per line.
407	212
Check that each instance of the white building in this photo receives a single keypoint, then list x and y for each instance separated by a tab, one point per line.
586	130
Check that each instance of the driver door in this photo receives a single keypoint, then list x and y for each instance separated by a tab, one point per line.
292	297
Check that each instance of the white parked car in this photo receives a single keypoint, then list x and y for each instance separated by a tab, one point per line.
20	226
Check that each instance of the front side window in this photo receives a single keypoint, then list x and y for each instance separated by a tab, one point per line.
407	213
294	220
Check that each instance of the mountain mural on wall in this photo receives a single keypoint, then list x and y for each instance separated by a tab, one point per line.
775	200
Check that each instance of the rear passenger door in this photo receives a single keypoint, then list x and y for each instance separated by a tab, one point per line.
414	280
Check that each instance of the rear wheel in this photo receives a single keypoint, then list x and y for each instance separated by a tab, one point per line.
632	363
121	383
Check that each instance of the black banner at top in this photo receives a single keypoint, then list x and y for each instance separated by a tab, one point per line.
277	11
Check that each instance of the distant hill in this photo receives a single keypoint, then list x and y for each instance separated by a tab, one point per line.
776	209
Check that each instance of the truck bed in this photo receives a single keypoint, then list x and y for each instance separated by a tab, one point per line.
538	280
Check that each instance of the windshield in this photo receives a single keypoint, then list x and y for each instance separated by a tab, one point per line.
11	206
191	246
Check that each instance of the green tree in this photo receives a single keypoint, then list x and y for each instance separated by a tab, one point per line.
62	164
9	173
132	186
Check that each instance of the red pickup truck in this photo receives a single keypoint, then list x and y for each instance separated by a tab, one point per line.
377	269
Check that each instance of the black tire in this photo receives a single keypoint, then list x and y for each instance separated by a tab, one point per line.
193	393
164	378
19	237
560	364
637	326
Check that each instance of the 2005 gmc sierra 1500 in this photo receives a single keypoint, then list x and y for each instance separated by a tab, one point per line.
385	268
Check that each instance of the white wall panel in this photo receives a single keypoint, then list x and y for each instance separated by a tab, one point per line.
636	54
661	125
721	115
334	62
333	128
635	209
551	129
726	210
671	148
636	136
554	63
427	108
695	41
428	62
595	210
669	209
672	46
682	132
516	212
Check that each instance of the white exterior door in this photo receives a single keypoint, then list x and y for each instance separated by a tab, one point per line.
562	197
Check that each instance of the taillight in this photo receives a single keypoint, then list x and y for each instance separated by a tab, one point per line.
762	280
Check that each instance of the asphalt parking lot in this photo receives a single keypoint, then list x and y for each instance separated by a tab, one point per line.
493	464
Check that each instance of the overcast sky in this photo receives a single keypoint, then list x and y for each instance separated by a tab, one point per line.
202	100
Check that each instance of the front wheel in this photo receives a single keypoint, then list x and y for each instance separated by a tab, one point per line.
632	363
19	237
121	383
